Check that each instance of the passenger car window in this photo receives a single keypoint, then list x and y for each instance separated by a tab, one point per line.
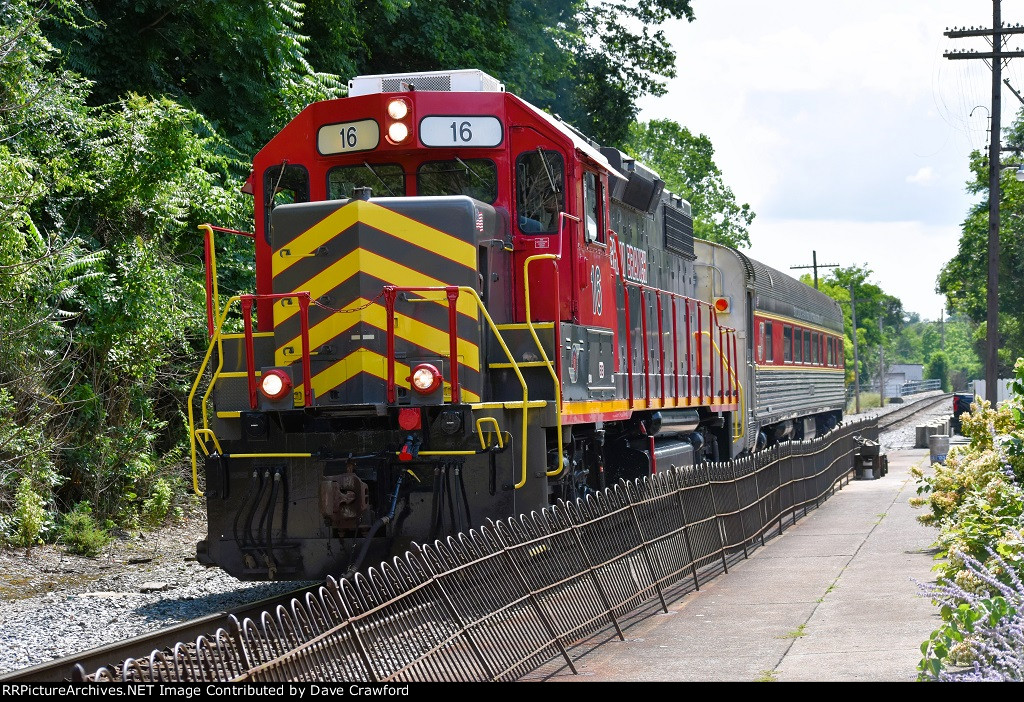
787	343
769	343
540	191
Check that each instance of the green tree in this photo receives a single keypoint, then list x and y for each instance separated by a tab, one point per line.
964	278
100	277
685	162
880	317
588	61
241	64
938	368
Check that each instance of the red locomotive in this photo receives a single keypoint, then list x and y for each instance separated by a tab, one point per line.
466	310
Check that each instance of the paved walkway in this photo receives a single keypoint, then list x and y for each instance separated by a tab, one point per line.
833	599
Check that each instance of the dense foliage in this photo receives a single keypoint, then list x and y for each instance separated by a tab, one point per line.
976	499
125	124
100	285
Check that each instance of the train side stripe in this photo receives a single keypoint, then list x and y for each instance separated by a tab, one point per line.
394	224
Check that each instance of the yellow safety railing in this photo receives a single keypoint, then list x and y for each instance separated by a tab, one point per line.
216	342
738	426
544	355
524	405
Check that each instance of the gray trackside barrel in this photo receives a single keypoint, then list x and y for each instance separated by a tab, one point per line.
938	447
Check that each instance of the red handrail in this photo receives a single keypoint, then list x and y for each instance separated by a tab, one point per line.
452	294
250	361
661	349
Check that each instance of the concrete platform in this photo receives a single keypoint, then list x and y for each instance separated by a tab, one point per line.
835	598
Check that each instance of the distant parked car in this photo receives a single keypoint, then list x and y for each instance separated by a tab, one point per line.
961	404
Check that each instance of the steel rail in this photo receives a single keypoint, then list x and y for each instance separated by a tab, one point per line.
61	669
923	404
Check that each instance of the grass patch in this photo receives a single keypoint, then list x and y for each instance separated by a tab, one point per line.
796	633
766	676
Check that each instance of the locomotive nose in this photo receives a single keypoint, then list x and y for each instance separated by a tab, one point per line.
382	326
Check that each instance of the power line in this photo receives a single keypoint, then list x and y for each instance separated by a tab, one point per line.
814	257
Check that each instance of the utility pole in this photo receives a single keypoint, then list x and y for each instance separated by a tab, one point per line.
856	360
881	364
995	36
814	257
942	326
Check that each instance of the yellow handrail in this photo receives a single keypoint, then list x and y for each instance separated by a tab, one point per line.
544	355
216	340
742	428
480	432
213	266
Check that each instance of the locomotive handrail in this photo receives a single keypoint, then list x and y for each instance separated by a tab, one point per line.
210	254
732	374
724	357
447	289
540	347
555	373
216	341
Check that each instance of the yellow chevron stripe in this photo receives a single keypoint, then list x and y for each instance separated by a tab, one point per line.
363	261
371	362
396	225
375	315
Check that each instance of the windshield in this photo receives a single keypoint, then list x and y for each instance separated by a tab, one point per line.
383	179
474	177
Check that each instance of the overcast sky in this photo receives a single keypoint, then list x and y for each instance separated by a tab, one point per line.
843	126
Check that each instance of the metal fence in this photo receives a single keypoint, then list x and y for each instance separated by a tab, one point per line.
511	597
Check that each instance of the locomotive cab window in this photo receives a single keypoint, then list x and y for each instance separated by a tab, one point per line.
540	191
592	198
383	180
474	177
283	184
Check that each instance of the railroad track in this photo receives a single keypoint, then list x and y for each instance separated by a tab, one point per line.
271	625
63	669
891	419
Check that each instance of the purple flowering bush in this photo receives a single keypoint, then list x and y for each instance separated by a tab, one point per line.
982	636
976	499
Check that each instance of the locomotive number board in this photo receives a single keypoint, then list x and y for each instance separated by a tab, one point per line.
348	136
461	130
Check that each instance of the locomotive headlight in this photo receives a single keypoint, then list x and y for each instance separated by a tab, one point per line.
275	384
398	109
425	378
398	132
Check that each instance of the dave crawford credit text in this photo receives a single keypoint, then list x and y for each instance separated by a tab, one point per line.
293	690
